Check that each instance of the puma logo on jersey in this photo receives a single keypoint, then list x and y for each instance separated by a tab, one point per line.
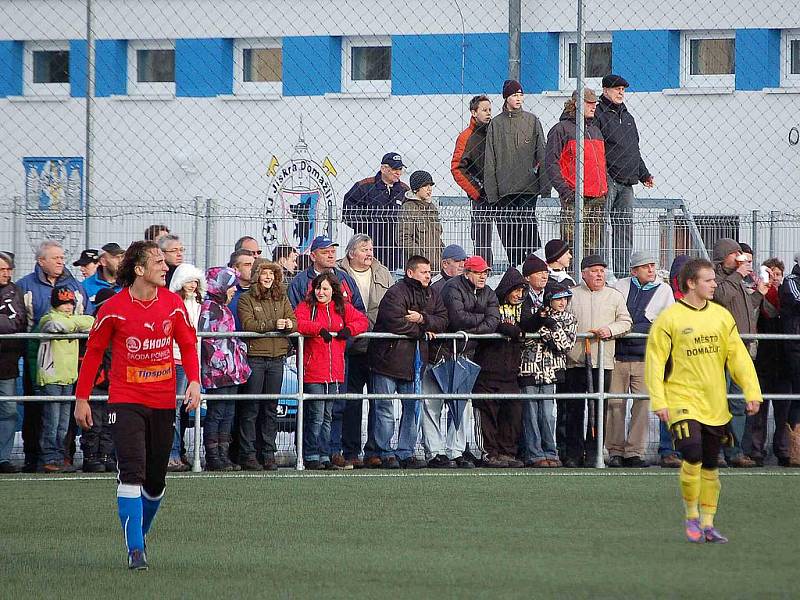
150	326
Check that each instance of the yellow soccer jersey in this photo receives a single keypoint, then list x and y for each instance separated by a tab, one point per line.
687	352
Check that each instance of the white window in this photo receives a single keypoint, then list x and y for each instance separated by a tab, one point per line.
367	65
790	58
151	67
596	65
46	69
258	66
708	59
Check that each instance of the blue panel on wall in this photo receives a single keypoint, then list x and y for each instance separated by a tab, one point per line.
649	60
312	66
539	62
77	68
758	58
203	67
432	64
111	68
11	82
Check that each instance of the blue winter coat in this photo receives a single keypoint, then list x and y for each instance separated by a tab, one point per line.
36	291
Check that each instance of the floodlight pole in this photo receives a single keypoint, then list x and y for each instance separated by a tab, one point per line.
577	238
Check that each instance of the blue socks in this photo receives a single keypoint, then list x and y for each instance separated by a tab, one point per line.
150	506
129	504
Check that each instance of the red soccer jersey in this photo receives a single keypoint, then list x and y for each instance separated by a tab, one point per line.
141	333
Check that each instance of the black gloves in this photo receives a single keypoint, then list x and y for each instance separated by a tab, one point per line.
325	335
344	334
550	323
511	330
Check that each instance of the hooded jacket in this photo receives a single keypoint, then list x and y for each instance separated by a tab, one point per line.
623	159
261	315
499	359
468	158
323	362
36	291
560	158
224	360
184	274
395	358
57	360
13	319
380	282
514	157
420	229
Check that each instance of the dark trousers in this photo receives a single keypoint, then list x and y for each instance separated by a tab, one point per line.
515	217
31	421
143	440
500	423
771	383
358	376
258	419
96	442
581	440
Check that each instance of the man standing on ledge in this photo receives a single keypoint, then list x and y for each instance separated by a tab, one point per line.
140	323
691	344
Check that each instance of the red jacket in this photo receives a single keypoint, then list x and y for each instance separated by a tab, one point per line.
324	362
467	162
560	154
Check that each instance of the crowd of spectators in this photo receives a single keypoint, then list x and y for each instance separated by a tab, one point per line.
333	301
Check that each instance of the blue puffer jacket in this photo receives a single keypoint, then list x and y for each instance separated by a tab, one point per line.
302	283
36	291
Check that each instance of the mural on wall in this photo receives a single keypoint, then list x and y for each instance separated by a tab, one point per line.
299	200
54	183
54	200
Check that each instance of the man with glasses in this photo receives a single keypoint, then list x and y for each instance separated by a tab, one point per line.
371	207
560	164
249	244
173	250
472	307
625	165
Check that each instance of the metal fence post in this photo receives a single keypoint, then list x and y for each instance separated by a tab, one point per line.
754	235
209	210
772	215
196	231
16	224
601	402
197	432
577	233
298	434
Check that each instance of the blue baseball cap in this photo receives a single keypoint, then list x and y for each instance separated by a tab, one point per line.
394	160
322	241
455	252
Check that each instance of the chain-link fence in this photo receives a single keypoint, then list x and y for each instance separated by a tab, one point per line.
228	118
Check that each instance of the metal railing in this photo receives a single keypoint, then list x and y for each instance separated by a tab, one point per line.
300	396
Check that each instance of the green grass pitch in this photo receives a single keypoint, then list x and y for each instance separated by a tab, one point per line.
483	534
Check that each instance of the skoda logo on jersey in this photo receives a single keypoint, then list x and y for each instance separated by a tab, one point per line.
299	199
133	344
167	326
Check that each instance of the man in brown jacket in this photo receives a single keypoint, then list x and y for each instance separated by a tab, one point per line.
733	267
373	280
601	310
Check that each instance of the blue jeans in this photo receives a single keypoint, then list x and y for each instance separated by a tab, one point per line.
665	447
538	439
55	420
180	387
219	415
8	419
384	418
317	422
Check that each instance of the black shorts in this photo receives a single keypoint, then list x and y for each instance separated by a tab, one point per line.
698	442
143	440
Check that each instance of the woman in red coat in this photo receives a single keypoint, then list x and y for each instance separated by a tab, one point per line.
327	322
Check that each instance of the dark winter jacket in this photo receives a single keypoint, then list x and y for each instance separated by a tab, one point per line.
13	319
744	305
560	158
395	358
514	156
468	309
468	157
36	291
789	297
644	304
623	159
500	359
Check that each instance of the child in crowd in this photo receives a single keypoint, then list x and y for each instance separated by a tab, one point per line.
264	308
544	363
322	315
190	284
223	366
420	228
96	442
56	372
